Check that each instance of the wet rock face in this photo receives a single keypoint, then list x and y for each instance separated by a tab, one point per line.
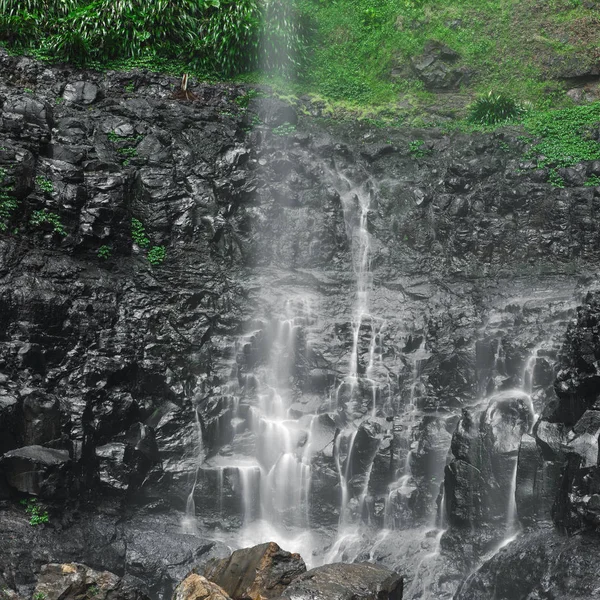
536	566
479	481
359	581
263	571
558	469
117	376
72	581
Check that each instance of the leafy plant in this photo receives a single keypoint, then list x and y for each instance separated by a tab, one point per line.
593	181
244	100
284	130
44	184
104	252
40	217
39	596
37	514
156	255
138	233
562	138
555	180
282	38
494	108
417	149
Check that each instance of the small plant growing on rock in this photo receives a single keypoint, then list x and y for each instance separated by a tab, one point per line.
39	596
494	108
44	184
417	149
40	217
37	514
593	181
138	233
284	130
555	180
157	255
104	252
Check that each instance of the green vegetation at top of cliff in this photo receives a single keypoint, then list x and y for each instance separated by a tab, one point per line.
218	37
408	56
564	137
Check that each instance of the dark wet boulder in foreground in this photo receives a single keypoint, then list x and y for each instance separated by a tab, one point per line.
535	566
259	572
339	581
73	581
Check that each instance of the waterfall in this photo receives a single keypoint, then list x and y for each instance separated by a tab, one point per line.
189	524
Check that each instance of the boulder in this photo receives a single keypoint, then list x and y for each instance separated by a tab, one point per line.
196	587
339	581
80	92
38	471
73	581
436	67
260	572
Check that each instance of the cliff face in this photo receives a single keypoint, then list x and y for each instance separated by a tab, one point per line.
130	392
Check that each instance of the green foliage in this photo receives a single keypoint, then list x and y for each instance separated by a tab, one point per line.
284	130
417	149
40	217
156	255
223	36
104	252
282	38
593	181
39	596
138	233
244	100
555	180
493	108
563	138
44	184
37	514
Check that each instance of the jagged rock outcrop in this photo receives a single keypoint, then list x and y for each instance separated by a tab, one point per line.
72	581
359	581
479	482
263	571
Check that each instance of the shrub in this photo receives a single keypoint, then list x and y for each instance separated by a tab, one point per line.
138	233
39	217
37	514
44	184
104	252
494	108
156	255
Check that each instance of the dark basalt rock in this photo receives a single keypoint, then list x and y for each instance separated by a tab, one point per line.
262	571
437	69
536	566
359	581
40	471
72	581
485	446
